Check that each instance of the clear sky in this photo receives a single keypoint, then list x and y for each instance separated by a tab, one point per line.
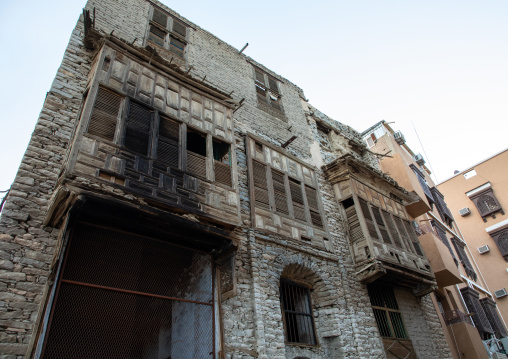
438	66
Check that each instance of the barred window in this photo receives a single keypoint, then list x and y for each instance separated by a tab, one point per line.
386	311
297	313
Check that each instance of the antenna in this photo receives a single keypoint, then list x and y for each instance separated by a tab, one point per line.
428	159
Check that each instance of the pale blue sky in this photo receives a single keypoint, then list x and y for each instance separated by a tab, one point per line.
442	65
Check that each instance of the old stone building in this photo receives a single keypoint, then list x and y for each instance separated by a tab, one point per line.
467	308
179	200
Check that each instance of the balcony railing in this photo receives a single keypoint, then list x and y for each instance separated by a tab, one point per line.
456	316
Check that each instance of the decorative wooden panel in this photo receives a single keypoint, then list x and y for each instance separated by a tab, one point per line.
105	114
368	219
222	173
381	225
501	239
196	164
414	238
279	192
391	228
260	185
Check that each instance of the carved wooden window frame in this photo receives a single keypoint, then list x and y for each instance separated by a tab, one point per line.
479	199
156	140
501	239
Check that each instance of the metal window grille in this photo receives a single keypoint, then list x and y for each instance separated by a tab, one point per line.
386	311
127	296
297	313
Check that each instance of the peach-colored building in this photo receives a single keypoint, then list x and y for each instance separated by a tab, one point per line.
478	198
467	308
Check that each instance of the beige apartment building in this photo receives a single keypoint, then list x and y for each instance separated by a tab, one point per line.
467	306
478	197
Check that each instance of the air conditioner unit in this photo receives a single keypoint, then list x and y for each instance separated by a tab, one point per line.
500	293
464	211
483	249
419	159
399	138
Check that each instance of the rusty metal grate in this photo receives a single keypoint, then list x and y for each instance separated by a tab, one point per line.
125	296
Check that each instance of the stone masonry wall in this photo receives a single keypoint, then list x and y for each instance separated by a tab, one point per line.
252	320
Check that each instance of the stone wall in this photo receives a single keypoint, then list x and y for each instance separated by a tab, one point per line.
252	320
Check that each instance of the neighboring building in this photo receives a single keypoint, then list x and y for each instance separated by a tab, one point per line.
478	198
461	287
180	200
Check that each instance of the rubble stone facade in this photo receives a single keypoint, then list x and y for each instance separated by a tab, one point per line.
178	139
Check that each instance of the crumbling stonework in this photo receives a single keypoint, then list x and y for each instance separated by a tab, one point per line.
69	174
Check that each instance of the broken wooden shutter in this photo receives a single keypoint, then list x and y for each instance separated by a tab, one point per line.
368	219
137	134
295	188
260	185
403	235
160	18
261	93
176	46
472	300
105	114
312	202
380	225
459	247
501	239
391	228
179	28
196	153
279	192
157	35
414	238
272	84
168	144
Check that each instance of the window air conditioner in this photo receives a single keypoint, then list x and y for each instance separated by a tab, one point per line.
483	249
399	138
464	211
500	293
419	159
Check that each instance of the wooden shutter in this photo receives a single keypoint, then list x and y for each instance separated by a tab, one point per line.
442	208
312	202
160	18
501	239
403	234
176	46
368	219
105	114
260	185
380	225
260	77
157	35
261	93
391	228
355	229
421	178
442	235
137	134
486	203
414	238
489	307
272	84
179	28
223	173
279	192
459	247
471	298
168	143
295	188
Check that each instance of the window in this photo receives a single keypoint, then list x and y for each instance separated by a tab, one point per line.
168	32
153	135
283	193
421	178
386	311
501	239
384	226
480	320
485	201
297	313
489	307
441	232
441	206
267	89
461	251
